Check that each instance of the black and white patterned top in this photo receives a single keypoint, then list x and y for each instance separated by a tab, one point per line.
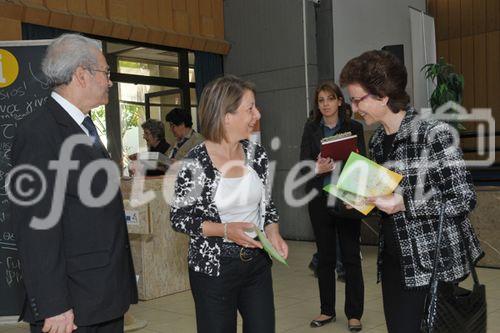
195	190
434	173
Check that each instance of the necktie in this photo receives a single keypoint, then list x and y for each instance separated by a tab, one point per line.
89	125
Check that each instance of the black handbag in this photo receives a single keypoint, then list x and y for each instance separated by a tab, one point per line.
450	308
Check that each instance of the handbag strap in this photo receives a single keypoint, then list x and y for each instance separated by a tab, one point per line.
430	315
437	254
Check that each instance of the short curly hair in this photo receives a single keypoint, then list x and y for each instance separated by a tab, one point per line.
155	127
381	74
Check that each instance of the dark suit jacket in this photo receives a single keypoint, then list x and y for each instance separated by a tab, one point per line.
311	145
84	261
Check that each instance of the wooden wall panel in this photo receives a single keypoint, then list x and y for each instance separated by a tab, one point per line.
151	14
136	12
193	10
57	4
13	10
492	15
466	17
480	83
181	21
442	19
77	7
207	27
455	56
454	30
218	16
35	12
468	70
193	24
166	15
97	8
11	29
33	3
118	10
179	5
493	71
205	7
442	48
472	45
479	16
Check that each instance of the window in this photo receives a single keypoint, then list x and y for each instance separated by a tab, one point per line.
148	83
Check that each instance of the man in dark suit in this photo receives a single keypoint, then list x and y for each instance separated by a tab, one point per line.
72	238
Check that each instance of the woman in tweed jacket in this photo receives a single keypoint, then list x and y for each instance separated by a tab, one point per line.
221	195
434	174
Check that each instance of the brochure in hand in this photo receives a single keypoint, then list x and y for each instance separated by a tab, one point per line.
363	178
356	201
366	178
269	248
338	147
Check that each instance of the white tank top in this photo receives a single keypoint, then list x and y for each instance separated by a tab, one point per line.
238	199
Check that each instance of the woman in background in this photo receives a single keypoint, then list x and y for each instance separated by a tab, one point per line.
181	125
221	195
329	118
434	174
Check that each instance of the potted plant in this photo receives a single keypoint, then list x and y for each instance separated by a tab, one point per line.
449	85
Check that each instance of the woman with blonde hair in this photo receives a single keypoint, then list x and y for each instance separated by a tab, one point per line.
222	194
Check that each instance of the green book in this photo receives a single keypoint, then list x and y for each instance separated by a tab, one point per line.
269	248
366	178
349	198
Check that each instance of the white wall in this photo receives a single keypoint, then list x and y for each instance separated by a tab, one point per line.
362	25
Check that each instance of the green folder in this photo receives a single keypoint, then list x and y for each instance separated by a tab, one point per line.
269	248
366	178
349	198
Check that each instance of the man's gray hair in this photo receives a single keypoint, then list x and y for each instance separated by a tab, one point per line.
65	54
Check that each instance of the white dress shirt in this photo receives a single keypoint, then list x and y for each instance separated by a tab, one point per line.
75	113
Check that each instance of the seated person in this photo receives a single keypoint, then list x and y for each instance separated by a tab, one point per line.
181	125
154	134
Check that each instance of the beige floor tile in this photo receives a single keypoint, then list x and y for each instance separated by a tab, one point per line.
379	329
296	300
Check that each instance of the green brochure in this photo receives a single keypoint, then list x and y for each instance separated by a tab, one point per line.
269	248
366	178
349	198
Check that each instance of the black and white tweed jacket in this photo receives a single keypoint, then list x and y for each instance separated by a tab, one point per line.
195	190
434	173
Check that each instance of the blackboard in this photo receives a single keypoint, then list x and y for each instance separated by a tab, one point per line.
23	90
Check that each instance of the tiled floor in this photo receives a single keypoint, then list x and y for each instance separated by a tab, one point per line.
296	300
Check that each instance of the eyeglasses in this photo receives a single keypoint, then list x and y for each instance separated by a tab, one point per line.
107	71
356	101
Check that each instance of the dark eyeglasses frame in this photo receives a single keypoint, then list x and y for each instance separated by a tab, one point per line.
107	71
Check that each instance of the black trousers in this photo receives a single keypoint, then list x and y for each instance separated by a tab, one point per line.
112	326
325	228
242	286
403	308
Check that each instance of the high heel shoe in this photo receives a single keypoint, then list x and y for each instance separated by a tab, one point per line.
319	323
